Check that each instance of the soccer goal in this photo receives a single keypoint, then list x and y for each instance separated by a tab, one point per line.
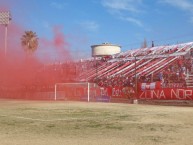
75	91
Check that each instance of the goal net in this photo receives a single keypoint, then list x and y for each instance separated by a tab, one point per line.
75	91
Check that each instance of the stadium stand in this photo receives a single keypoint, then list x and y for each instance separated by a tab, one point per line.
169	64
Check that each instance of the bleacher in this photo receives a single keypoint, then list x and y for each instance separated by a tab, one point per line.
171	65
146	64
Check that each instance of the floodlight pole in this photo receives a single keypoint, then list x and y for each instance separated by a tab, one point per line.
6	27
5	18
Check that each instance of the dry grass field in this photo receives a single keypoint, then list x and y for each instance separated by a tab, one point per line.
82	123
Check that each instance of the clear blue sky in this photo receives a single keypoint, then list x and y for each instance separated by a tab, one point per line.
123	22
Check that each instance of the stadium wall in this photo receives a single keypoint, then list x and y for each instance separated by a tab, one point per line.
102	94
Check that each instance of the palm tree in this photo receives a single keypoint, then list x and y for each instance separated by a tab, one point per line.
29	41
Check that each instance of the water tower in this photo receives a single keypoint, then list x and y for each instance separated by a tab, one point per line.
105	49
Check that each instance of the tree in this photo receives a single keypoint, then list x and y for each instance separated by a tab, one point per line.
29	42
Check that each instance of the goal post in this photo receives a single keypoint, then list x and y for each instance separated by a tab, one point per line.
75	91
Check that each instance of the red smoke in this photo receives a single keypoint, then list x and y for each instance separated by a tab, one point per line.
57	48
18	69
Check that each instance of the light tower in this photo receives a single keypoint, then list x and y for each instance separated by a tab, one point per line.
5	18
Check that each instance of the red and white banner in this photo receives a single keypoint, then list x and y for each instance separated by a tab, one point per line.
150	86
155	94
167	94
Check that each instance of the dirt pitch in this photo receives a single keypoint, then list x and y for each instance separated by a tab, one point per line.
81	123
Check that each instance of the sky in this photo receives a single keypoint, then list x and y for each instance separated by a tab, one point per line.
78	24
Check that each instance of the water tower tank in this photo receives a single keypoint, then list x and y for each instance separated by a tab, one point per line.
105	49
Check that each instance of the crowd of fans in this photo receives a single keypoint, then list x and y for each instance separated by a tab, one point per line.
171	76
